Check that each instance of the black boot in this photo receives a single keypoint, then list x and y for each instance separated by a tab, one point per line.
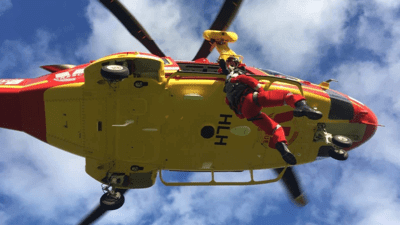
302	109
285	152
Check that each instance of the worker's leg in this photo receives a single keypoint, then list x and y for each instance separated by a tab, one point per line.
248	108
269	126
278	98
278	140
252	112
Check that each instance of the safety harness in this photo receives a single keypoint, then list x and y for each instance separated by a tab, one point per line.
236	92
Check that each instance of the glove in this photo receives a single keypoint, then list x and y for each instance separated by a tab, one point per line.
223	66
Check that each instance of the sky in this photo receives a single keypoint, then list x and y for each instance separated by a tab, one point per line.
353	41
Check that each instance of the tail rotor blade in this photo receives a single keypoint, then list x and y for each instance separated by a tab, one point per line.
292	186
222	22
132	25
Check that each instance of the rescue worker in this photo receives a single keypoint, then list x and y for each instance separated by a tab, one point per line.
246	98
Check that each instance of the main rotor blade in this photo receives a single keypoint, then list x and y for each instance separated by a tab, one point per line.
292	186
222	22
98	211
132	25
94	215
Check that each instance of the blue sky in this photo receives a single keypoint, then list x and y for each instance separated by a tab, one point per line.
354	42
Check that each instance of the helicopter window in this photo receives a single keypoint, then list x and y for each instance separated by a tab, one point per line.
146	68
202	68
341	107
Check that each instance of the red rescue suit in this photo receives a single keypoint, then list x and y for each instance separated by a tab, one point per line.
253	98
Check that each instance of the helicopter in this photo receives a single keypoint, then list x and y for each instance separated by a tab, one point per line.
139	103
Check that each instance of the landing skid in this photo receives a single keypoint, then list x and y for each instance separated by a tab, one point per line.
216	183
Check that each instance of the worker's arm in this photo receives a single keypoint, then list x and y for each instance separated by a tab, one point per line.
223	66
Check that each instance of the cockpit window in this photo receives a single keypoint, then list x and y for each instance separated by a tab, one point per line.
146	68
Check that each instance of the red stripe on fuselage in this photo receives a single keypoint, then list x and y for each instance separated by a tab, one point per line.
308	88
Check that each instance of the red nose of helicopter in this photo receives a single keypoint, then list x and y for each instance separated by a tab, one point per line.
362	121
364	115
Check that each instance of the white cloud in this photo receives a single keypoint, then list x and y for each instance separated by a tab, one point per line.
221	205
139	204
371	197
387	4
4	6
3	217
378	25
384	145
376	83
33	170
25	59
42	181
385	215
376	86
170	25
289	34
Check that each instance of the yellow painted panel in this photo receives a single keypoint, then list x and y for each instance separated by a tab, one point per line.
131	106
136	144
139	140
220	35
63	117
130	149
95	125
68	146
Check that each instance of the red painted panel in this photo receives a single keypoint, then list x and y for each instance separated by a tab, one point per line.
10	110
33	111
363	114
283	117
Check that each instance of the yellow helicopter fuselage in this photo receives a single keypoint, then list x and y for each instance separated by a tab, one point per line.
177	121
